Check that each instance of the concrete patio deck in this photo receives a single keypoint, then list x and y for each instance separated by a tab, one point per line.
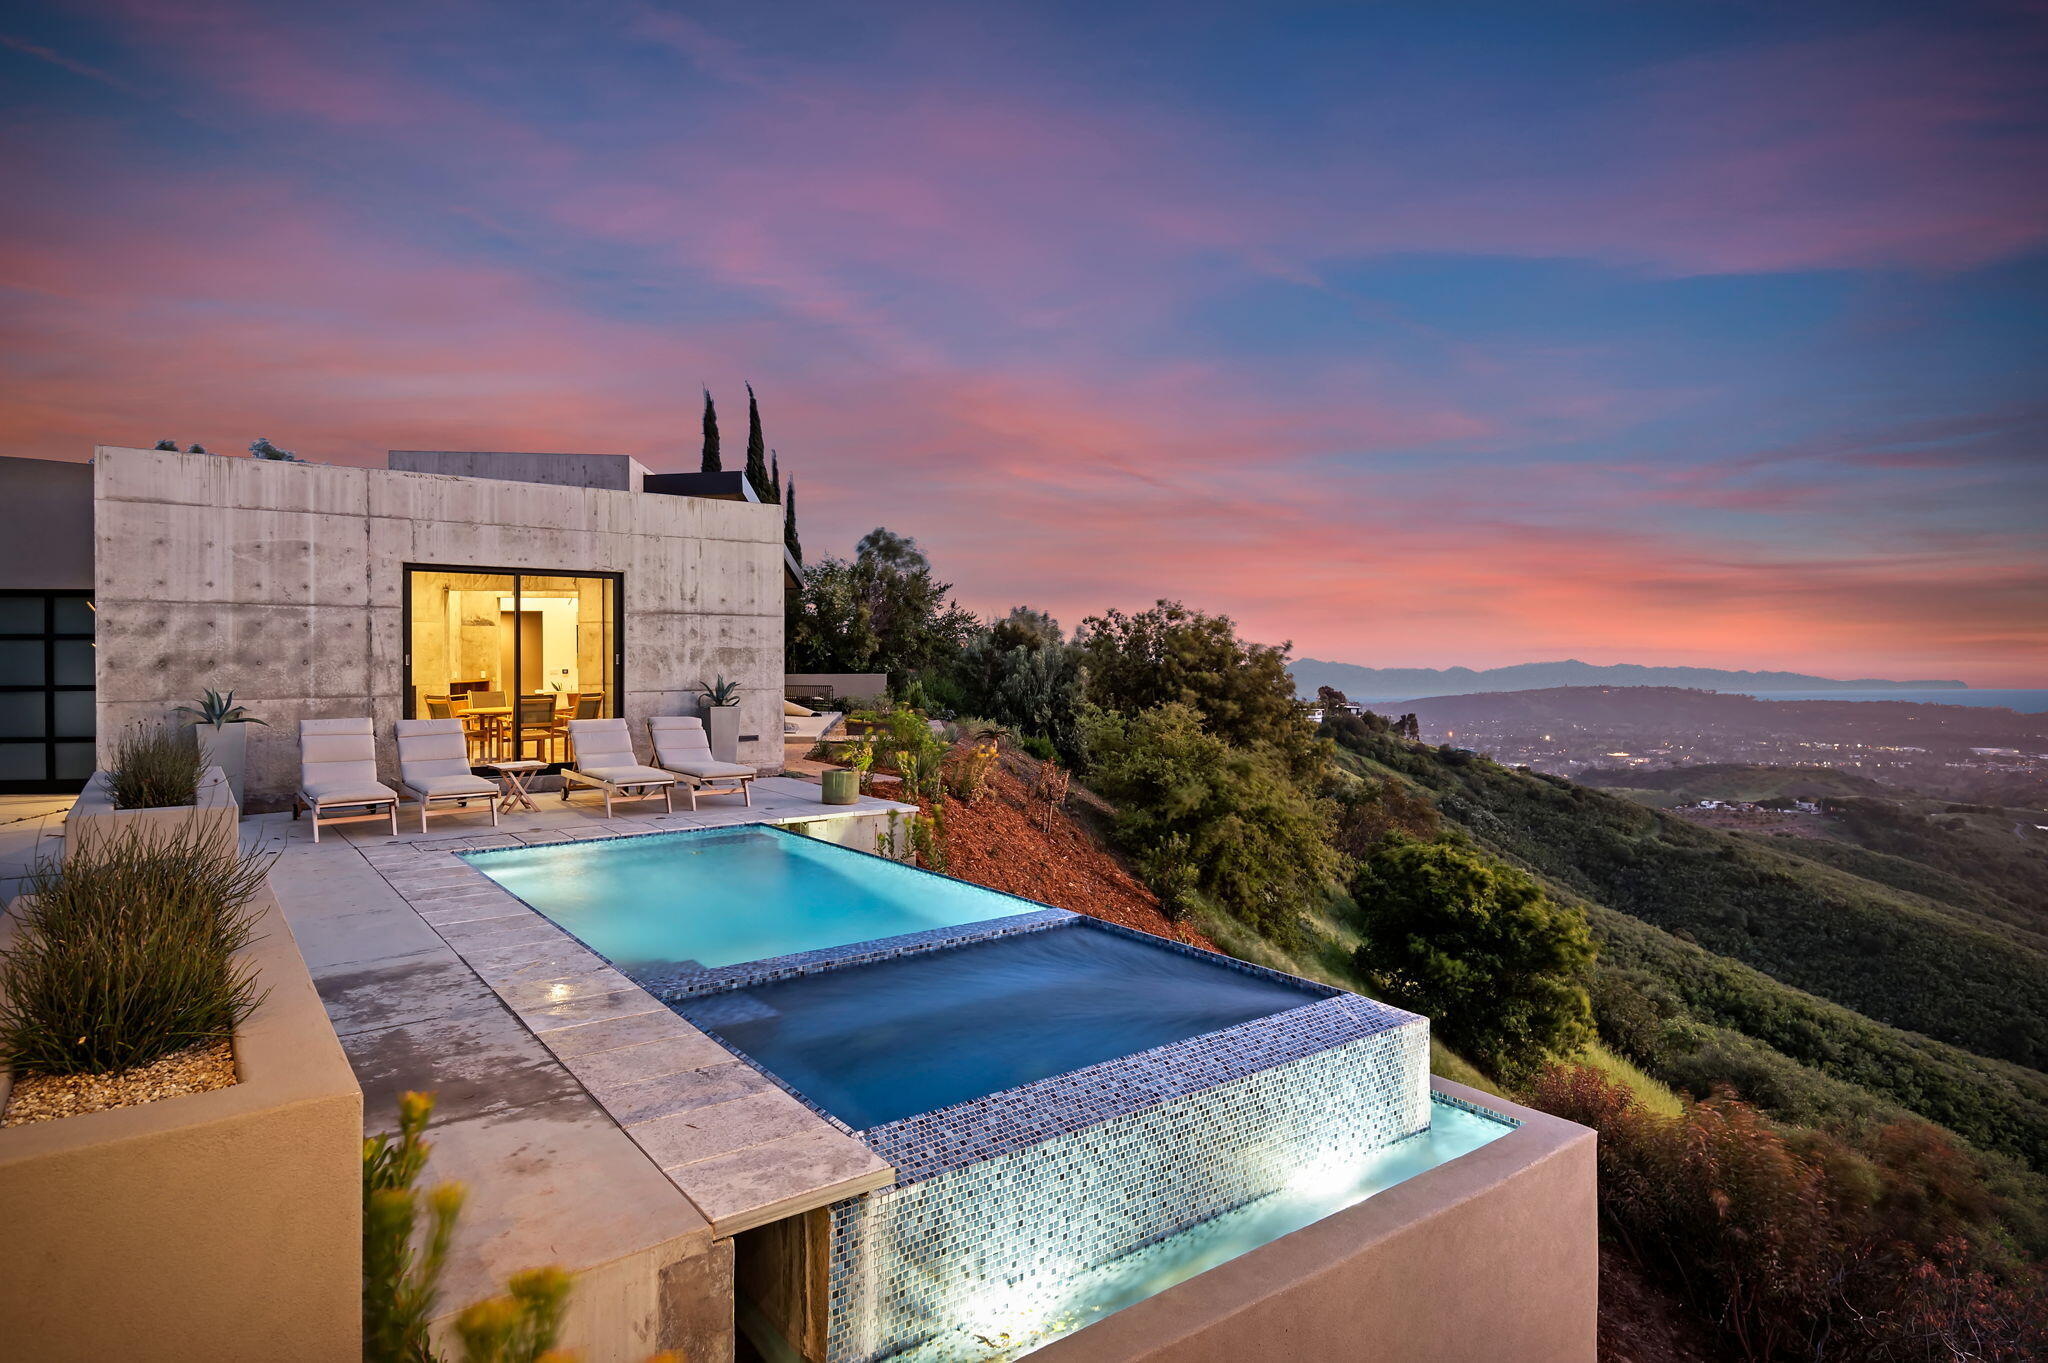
594	1127
31	826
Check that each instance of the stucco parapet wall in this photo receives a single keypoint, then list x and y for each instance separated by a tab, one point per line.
213	1226
93	818
1494	1254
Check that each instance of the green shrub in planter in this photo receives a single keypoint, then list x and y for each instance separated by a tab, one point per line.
129	955
155	768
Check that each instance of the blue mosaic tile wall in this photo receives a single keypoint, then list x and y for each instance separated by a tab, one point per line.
979	1245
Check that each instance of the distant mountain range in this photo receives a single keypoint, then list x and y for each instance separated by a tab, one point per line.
1398	683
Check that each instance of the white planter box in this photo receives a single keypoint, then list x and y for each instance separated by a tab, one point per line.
225	746
213	1226
94	817
722	728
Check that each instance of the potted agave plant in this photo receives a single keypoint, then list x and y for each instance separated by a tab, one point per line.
217	722
721	699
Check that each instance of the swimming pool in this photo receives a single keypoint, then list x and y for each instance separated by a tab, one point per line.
878	1042
1077	1114
657	902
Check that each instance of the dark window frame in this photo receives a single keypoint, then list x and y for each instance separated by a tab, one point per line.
409	700
49	783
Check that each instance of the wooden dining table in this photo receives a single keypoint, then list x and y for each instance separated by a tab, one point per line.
497	725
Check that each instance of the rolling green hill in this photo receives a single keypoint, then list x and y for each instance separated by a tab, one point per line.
1826	994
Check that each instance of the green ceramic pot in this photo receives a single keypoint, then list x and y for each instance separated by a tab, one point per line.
842	786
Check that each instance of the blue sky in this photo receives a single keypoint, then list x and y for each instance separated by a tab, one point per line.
1417	335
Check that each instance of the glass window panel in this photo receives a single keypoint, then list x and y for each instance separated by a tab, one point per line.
75	714
74	662
24	762
460	654
21	615
21	662
75	615
74	761
21	714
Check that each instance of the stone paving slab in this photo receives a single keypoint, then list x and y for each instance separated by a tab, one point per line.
444	980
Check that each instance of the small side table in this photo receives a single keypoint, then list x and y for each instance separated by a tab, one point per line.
512	779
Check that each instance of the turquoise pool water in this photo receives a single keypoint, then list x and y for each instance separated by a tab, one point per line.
878	1042
718	897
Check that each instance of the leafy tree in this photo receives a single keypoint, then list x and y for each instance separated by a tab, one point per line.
171	445
196	449
886	547
757	452
1020	671
710	464
1173	655
1210	821
789	535
1478	947
881	612
261	448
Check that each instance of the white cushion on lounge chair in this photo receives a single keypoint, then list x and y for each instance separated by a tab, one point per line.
451	785
348	792
635	775
338	762
680	744
433	759
601	743
710	768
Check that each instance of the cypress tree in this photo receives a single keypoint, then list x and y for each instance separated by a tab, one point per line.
710	464
796	546
775	473
757	452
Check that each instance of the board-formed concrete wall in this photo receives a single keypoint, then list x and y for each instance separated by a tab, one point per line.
285	582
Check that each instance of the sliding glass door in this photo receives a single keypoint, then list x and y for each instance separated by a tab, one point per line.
514	655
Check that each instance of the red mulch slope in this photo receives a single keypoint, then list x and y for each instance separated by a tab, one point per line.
1002	842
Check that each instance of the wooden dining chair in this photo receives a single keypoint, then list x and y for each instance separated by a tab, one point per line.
589	706
537	724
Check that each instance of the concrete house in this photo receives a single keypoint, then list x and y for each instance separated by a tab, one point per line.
312	590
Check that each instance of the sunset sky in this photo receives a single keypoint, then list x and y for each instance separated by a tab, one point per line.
1416	334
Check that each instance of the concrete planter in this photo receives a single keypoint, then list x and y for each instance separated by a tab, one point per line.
722	728
842	786
94	817
222	1225
225	746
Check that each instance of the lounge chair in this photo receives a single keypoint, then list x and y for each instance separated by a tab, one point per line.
601	757
433	764
682	746
338	770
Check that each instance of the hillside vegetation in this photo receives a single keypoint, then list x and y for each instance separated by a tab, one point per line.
1836	935
1815	1074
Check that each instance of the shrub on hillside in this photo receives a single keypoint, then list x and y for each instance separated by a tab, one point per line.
882	611
1478	947
1021	672
1799	1246
1207	820
1173	655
